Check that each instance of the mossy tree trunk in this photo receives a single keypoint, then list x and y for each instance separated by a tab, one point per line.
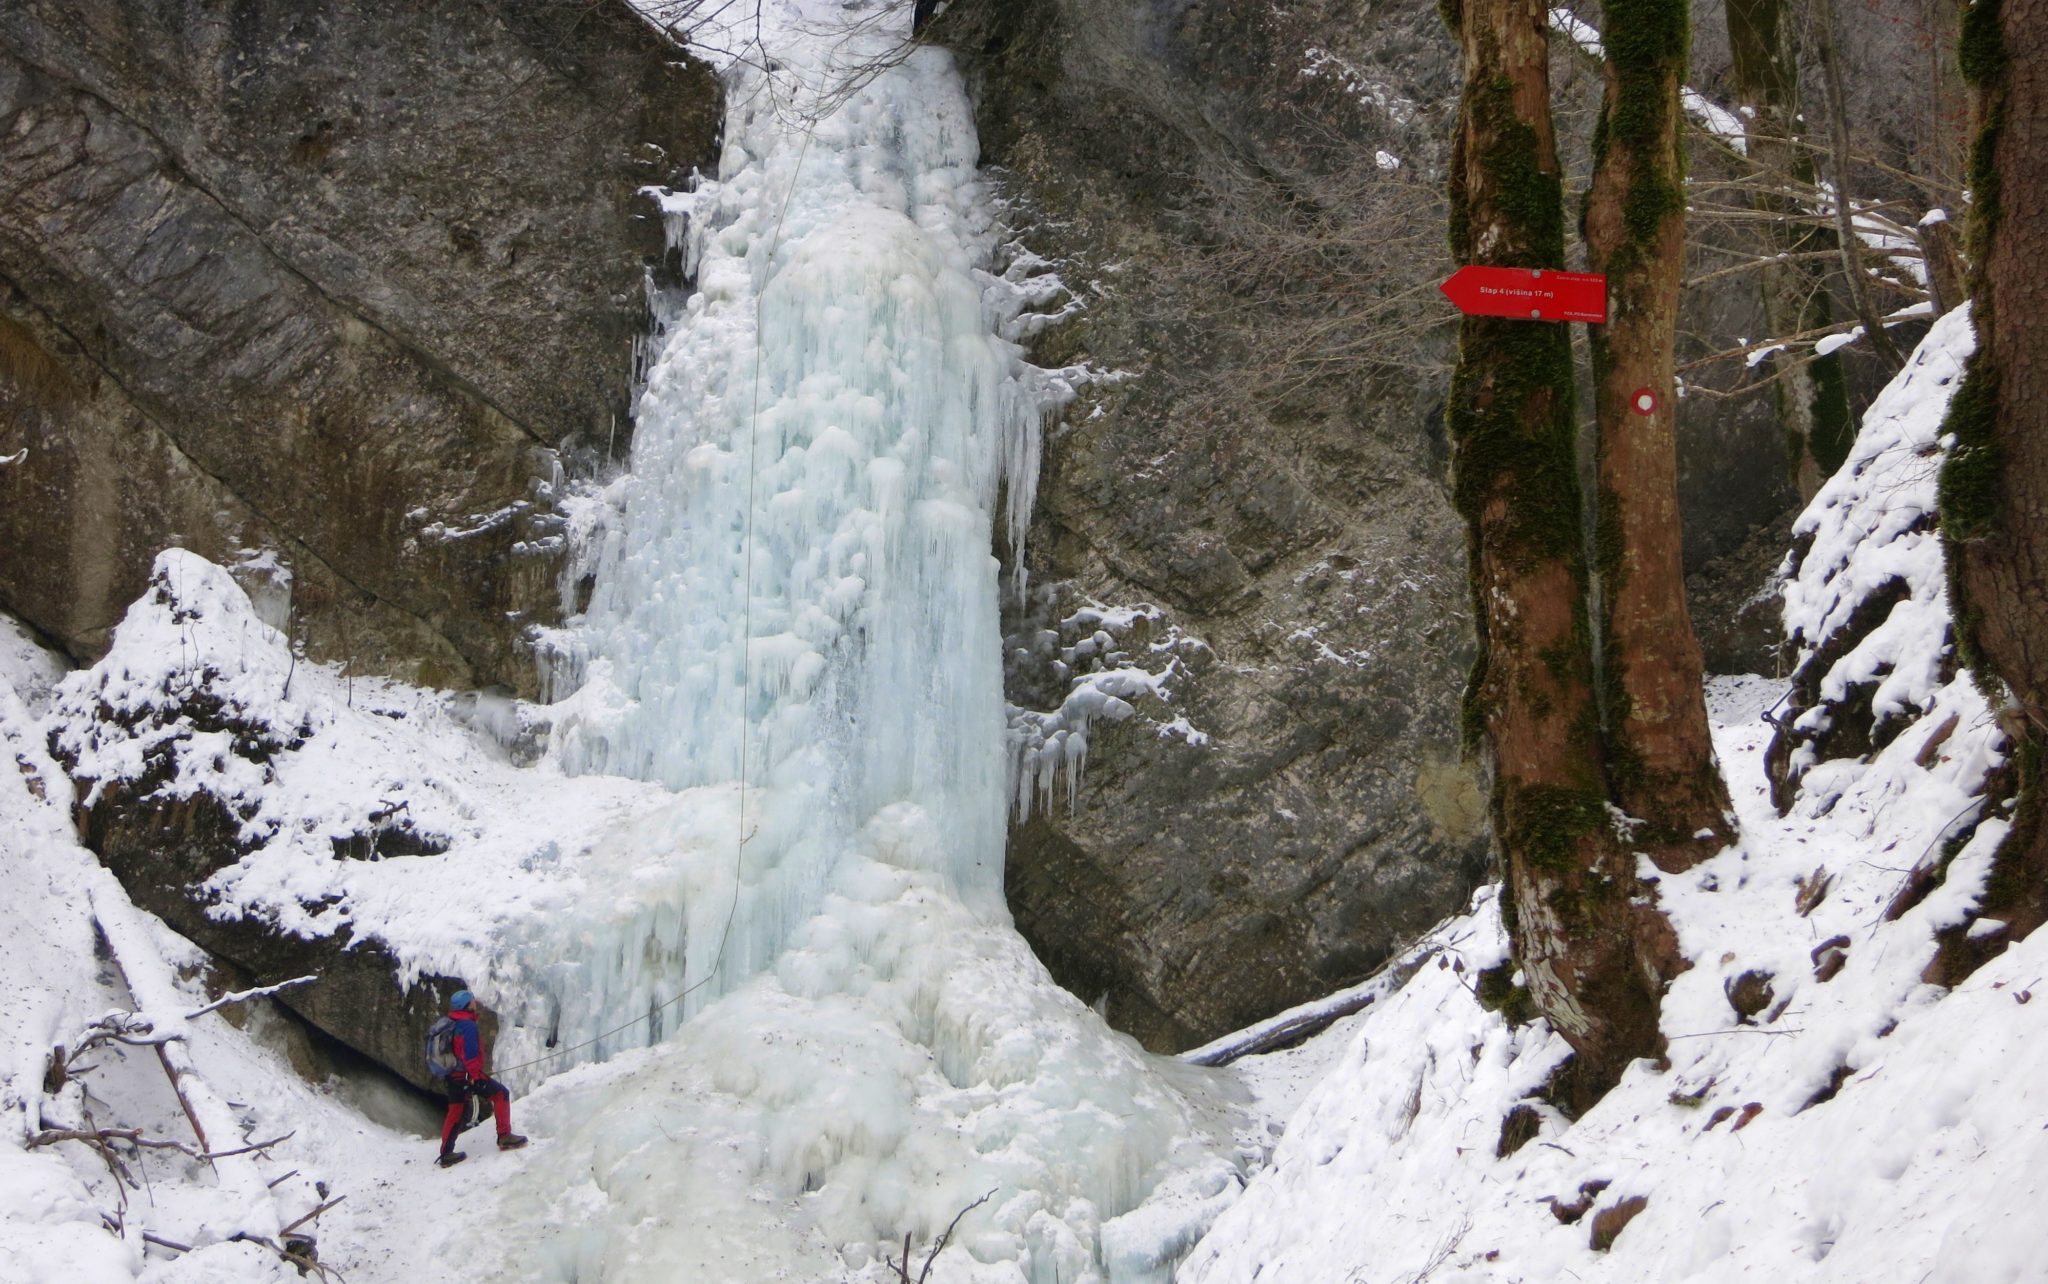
1994	488
1813	398
1594	957
1660	753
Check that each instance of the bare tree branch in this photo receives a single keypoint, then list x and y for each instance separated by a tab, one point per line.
243	996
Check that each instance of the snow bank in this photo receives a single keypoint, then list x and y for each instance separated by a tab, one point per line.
62	1214
1877	1137
26	666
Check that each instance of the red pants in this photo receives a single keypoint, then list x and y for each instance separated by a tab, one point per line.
458	1107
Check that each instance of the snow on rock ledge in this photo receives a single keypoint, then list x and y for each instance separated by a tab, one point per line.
1116	663
1866	600
293	819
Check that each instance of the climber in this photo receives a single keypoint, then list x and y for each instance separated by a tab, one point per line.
455	1054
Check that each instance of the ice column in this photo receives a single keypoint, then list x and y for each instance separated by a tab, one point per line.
801	592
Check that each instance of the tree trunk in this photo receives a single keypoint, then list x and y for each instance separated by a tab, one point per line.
1838	142
1937	237
1660	755
1812	396
1574	909
1994	488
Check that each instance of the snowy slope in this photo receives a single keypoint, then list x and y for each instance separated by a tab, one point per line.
905	1057
328	773
1862	1126
72	949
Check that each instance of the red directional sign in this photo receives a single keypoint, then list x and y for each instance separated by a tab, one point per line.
1529	294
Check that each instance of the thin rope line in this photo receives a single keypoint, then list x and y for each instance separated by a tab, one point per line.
746	638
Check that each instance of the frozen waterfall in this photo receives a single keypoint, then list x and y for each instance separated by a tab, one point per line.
799	592
794	627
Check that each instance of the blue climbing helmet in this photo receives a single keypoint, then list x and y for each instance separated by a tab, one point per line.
462	999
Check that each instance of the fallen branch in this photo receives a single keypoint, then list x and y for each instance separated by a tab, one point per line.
154	989
902	1268
119	1172
939	1246
134	1137
1739	1029
250	1149
51	1136
130	1029
243	996
1297	1024
298	1252
175	1074
310	1216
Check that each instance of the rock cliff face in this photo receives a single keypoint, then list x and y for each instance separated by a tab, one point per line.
335	281
1239	196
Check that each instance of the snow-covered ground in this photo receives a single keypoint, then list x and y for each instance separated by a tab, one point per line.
315	762
1924	1165
904	1057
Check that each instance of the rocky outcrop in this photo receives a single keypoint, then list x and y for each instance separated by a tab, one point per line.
174	745
163	853
1238	196
337	282
1866	602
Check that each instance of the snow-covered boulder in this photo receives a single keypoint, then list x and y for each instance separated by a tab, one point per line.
292	818
180	743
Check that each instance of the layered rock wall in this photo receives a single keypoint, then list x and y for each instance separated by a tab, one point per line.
1238	196
333	281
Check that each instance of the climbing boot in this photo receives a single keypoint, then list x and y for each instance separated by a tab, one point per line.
450	1158
510	1141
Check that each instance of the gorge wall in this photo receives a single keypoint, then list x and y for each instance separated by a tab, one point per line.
334	281
1242	199
1246	204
